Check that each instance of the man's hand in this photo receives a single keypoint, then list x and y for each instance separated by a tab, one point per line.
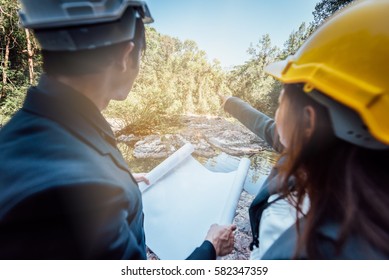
222	238
140	177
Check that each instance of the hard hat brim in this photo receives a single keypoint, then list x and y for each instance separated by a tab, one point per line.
92	13
276	69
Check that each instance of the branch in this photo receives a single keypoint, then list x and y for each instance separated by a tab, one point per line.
2	11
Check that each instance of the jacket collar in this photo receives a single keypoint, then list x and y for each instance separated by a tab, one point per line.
71	109
76	102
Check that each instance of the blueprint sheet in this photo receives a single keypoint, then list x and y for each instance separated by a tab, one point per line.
184	200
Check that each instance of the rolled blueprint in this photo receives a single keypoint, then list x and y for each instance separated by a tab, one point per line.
234	193
168	164
185	201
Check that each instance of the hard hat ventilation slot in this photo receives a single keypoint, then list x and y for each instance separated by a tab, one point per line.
359	136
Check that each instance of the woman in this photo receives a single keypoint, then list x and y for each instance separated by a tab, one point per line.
333	128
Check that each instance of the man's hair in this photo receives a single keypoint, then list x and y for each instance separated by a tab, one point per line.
72	63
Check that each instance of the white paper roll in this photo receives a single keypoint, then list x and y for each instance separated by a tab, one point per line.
185	201
168	164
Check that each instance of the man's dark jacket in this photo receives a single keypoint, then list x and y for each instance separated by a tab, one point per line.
65	190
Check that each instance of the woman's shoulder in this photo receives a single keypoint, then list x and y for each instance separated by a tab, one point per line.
355	247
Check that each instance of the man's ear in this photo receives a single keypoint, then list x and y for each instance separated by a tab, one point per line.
309	121
125	56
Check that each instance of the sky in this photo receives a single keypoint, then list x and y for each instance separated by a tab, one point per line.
224	29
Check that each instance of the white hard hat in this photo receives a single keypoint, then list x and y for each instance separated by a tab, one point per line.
80	24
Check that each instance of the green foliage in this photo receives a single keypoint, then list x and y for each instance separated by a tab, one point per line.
175	77
296	39
250	82
139	116
326	8
11	104
180	74
14	60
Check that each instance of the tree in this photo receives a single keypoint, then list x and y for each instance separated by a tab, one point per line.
326	8
250	82
296	39
30	53
175	78
8	30
19	59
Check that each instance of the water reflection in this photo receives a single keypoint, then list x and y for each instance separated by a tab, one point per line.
138	165
260	167
261	164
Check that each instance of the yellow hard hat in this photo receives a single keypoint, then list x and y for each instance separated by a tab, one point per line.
347	59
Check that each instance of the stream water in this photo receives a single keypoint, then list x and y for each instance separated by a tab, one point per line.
261	164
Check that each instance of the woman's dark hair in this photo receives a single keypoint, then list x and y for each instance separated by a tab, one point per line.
346	184
72	63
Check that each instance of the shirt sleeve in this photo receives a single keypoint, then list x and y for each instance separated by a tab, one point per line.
259	123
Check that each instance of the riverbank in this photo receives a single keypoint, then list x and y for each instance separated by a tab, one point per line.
211	136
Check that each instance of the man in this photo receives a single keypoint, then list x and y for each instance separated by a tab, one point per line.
65	189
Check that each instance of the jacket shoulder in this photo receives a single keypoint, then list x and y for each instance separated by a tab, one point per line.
40	154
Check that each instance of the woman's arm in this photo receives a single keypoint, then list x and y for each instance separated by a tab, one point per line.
259	123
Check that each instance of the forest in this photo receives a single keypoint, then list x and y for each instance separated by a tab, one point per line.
176	77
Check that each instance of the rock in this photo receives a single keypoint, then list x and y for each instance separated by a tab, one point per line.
116	124
236	143
152	147
208	135
128	139
201	147
221	135
204	149
242	216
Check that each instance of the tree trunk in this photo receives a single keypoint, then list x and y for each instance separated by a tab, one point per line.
5	68
30	54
